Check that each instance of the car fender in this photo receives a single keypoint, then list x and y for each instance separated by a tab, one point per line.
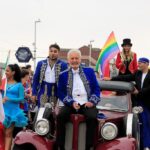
30	137
120	143
1	137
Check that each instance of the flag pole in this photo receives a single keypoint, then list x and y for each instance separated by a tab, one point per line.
7	60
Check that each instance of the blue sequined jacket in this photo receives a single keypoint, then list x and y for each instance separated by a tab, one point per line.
65	85
39	74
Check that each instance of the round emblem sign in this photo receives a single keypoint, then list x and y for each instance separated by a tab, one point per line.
23	54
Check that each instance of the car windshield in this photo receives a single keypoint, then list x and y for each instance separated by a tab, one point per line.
114	103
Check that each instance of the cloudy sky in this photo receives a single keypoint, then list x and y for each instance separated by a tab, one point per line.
73	23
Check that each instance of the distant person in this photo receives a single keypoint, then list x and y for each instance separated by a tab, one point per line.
46	76
113	69
22	68
27	89
126	60
29	68
14	115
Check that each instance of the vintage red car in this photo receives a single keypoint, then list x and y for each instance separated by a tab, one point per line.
118	127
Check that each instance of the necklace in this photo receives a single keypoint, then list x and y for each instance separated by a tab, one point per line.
9	86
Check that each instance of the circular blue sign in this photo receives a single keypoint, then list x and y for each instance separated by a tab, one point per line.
23	54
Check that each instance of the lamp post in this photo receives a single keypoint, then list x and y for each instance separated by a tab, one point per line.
35	23
90	52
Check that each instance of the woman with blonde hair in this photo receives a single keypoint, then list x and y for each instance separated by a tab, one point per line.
126	60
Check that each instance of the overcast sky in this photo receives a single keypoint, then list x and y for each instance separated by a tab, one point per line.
73	23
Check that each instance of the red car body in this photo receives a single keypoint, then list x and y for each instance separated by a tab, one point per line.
1	137
39	142
121	142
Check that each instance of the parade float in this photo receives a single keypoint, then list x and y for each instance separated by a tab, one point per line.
117	128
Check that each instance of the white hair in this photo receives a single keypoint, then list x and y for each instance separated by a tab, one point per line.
73	51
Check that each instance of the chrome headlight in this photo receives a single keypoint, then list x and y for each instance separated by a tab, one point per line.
137	109
109	131
42	127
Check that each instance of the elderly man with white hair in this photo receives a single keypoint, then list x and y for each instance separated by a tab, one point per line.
78	89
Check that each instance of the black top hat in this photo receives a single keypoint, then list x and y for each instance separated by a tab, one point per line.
126	42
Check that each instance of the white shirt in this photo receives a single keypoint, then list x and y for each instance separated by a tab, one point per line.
50	74
79	93
143	77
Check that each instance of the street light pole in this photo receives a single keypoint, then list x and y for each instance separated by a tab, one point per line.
90	52
35	23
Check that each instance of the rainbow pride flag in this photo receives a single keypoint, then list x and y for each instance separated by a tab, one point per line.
108	52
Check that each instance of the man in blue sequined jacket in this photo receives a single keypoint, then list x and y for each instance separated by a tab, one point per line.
46	77
78	89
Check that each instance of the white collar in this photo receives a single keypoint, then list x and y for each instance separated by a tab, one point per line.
75	71
49	63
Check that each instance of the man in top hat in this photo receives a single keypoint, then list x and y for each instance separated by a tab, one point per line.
126	60
142	96
78	89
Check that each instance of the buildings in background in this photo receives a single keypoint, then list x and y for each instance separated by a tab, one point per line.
85	51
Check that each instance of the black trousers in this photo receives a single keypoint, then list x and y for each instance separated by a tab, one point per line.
64	116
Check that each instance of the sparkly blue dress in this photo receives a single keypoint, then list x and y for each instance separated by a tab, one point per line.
13	113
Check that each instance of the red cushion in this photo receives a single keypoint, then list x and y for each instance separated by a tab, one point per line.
77	117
